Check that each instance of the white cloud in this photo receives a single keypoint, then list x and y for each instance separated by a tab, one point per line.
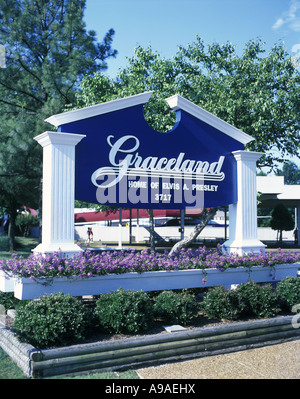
278	23
291	17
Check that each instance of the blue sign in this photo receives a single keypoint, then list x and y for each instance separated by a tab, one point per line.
124	162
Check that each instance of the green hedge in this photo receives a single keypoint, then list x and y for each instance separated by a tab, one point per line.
52	320
58	319
247	300
125	311
288	291
176	307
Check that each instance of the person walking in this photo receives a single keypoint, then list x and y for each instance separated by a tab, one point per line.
89	234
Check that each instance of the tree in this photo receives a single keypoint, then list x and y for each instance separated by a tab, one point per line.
254	92
48	51
291	173
281	220
206	216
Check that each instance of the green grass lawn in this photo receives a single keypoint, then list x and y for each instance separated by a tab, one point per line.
10	371
24	246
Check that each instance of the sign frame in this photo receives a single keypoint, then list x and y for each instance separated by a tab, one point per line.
61	171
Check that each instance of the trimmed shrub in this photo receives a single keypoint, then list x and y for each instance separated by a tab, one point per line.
248	300
176	307
52	320
288	291
220	303
257	300
124	311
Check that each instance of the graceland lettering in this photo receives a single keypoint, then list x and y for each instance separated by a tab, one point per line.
127	162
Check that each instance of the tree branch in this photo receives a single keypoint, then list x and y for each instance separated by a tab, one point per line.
18	106
11	174
29	71
207	215
13	89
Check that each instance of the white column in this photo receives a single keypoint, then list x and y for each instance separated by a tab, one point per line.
243	214
298	223
58	192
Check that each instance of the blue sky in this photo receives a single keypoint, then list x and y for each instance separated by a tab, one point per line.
165	24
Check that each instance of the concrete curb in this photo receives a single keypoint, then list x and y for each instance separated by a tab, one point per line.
147	350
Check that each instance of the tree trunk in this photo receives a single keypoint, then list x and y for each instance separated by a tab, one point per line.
280	237
12	228
152	240
207	215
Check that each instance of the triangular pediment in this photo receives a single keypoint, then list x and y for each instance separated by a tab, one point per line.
121	151
176	102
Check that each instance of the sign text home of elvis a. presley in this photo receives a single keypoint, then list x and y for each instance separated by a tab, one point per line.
123	162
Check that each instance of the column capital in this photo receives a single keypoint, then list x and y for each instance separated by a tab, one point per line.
242	155
48	138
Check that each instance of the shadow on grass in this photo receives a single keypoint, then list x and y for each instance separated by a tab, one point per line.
24	246
8	369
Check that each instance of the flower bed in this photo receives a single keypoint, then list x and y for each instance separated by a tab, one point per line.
26	288
89	264
143	270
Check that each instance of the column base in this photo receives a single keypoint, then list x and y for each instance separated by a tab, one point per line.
243	247
66	250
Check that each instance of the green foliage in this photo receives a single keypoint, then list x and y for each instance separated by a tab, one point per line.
25	222
281	220
248	300
8	300
125	311
220	303
257	300
175	307
288	291
48	51
58	319
254	91
52	320
291	173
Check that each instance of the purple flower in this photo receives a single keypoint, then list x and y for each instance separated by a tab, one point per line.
89	264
